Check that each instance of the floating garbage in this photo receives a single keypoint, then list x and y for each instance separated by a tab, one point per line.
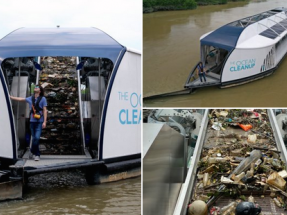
276	180
217	126
244	167
245	127
62	135
252	138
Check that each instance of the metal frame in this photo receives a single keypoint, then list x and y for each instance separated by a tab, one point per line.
184	195
80	106
277	135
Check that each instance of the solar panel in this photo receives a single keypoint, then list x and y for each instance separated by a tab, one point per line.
284	23
269	33
278	28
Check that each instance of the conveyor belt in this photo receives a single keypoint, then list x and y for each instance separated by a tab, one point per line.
266	203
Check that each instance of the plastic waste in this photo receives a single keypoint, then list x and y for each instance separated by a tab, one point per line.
237	178
242	167
205	179
225	180
246	163
247	208
245	127
252	138
223	113
225	208
213	160
277	202
276	180
283	173
229	211
217	126
257	163
214	210
251	171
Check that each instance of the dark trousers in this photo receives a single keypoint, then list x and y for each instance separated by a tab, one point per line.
36	130
202	74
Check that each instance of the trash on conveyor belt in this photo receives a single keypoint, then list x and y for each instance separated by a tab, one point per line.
62	134
241	165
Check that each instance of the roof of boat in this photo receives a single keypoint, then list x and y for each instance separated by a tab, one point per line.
25	42
227	36
76	37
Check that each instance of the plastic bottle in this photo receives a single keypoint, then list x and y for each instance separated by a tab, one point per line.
205	179
242	167
32	88
225	208
277	202
246	163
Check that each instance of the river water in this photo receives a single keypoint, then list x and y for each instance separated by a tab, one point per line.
171	49
68	193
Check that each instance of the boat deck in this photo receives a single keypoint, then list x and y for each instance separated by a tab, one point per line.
51	160
210	81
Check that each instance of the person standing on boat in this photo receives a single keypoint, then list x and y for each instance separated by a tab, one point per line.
201	72
38	117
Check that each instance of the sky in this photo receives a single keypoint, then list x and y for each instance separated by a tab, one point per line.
121	19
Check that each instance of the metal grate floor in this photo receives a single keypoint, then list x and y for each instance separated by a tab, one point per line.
48	160
267	204
208	81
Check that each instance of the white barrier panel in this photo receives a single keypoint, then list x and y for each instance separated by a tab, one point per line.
122	132
6	126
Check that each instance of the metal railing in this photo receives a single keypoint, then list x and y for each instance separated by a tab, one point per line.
191	76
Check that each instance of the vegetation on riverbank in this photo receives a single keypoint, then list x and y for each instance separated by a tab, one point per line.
161	5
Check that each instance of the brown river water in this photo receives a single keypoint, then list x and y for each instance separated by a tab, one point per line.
68	193
171	49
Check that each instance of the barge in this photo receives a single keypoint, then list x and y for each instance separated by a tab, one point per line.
222	152
243	50
93	88
240	52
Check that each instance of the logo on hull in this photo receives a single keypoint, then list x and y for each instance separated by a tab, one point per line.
242	65
131	115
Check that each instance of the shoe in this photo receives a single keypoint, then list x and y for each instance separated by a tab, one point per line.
37	158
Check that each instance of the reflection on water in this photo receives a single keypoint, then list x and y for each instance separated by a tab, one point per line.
171	49
123	197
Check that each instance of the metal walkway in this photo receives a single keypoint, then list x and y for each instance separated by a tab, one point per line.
50	160
51	163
